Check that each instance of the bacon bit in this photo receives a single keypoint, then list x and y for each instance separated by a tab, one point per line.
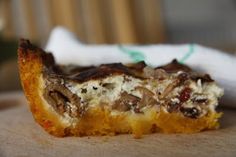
185	94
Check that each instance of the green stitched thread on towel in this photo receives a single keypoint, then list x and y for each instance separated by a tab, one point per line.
135	55
138	56
188	54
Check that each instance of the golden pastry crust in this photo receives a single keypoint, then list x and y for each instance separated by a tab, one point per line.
97	121
30	66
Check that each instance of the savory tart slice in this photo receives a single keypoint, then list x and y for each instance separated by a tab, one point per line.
115	98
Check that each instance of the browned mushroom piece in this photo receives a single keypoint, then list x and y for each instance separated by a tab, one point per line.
126	102
62	99
147	98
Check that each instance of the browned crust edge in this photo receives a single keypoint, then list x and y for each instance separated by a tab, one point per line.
30	62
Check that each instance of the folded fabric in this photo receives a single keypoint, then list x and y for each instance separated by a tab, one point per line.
67	49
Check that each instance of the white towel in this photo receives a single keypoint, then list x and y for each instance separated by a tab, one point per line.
67	49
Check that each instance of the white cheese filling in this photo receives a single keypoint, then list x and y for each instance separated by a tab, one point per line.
210	90
108	90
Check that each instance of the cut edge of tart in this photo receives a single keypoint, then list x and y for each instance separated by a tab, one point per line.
114	98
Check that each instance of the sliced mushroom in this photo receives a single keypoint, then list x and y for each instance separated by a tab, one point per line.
168	89
180	80
147	98
62	100
126	102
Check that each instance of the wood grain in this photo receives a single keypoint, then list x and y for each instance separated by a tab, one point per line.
21	136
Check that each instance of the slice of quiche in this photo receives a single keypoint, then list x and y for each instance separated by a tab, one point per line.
109	99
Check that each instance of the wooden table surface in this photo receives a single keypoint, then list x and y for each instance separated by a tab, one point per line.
20	136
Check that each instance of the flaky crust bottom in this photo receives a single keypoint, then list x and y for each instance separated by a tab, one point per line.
99	121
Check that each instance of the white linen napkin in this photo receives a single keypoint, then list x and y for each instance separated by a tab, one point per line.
67	49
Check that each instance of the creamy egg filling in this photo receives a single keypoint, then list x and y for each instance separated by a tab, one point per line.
202	97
